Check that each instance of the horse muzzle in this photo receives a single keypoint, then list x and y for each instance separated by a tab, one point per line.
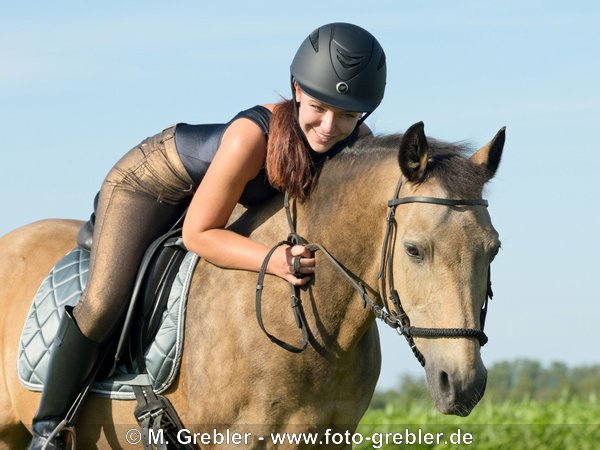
456	391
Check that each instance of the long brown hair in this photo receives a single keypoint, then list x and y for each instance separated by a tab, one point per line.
289	165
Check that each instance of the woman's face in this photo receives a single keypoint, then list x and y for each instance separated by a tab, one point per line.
322	124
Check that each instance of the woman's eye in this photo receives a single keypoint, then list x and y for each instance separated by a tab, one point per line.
412	250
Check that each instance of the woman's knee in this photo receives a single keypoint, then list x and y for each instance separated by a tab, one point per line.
97	319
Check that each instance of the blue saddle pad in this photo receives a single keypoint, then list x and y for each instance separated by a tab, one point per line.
63	286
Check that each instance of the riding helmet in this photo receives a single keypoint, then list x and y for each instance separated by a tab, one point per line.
342	65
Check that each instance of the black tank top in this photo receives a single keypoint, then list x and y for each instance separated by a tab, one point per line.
197	145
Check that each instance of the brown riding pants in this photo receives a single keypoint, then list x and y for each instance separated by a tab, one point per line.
141	198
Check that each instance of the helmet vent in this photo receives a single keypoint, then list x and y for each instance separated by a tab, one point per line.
314	39
381	62
349	61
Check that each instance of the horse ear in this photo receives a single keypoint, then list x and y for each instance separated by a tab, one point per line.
489	155
413	153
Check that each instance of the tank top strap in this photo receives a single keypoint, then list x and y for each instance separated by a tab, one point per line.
258	114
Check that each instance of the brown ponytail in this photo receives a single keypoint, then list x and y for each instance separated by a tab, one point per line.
289	165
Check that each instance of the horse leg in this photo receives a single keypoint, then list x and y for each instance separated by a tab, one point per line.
13	435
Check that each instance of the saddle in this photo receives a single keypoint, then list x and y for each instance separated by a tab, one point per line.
157	307
157	335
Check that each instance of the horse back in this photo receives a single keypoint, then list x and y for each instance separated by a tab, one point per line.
28	253
26	256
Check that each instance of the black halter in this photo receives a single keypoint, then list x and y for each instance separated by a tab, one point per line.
398	319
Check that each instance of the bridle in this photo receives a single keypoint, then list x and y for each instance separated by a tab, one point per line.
397	320
386	274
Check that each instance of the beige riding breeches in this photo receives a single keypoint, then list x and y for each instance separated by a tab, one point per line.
141	198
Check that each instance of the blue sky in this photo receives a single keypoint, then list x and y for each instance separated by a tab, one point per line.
81	83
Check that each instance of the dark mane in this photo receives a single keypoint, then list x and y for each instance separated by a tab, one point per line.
448	162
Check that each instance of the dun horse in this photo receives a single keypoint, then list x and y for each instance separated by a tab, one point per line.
231	374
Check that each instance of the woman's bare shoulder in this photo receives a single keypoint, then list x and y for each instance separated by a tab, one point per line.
243	148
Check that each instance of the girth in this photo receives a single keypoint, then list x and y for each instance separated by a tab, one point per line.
397	319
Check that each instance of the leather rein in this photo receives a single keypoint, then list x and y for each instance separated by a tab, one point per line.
398	319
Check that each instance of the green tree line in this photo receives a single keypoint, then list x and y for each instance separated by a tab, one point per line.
511	381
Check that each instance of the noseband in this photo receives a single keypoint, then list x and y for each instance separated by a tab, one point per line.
397	319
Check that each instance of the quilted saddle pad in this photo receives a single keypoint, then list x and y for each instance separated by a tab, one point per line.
63	286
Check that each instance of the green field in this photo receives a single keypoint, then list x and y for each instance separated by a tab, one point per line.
527	405
572	423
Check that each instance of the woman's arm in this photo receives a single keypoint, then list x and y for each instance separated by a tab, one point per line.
238	160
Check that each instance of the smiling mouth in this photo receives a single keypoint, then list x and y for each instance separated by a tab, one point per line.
325	137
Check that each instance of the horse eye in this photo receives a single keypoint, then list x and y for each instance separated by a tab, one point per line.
495	251
412	250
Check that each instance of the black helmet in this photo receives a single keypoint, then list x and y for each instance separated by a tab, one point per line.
342	65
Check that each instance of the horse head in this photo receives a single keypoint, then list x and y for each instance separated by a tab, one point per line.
443	257
433	273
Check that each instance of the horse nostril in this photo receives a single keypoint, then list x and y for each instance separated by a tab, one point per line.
444	382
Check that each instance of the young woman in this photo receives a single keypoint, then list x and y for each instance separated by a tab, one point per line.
338	78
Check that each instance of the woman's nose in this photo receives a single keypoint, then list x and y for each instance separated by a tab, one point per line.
328	122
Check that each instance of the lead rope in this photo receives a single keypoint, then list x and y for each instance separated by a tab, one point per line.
296	305
295	302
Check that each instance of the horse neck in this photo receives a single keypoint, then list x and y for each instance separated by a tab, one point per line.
346	214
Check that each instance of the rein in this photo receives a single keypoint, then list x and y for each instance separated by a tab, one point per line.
398	319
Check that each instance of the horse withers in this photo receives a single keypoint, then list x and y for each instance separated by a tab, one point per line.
232	377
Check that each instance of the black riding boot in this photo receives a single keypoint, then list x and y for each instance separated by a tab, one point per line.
71	362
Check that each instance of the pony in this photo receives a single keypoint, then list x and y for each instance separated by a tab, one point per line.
232	377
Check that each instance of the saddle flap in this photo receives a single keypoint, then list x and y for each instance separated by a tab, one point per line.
158	269
157	286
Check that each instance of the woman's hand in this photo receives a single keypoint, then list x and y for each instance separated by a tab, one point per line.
282	264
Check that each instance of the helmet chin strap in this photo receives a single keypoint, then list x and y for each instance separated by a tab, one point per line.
363	118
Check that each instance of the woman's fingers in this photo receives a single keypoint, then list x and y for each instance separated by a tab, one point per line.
300	261
297	281
294	264
300	250
302	265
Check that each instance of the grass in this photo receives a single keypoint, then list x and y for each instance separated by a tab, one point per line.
526	424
